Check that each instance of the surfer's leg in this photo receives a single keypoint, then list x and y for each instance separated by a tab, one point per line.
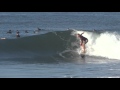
83	45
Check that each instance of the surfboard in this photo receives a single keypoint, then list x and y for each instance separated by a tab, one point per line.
82	55
2	38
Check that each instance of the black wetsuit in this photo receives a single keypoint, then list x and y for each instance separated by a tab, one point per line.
17	35
83	39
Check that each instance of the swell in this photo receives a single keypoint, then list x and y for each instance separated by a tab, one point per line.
43	48
52	41
60	45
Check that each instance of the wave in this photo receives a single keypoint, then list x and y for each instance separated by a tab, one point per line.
51	41
59	45
104	44
44	46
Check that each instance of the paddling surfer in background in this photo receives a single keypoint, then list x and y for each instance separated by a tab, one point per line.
83	41
17	34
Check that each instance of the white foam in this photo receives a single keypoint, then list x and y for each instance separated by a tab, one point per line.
104	44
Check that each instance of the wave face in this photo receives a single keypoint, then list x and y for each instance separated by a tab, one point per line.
43	46
60	45
52	41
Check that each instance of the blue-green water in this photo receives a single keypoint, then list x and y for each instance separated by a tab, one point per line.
54	51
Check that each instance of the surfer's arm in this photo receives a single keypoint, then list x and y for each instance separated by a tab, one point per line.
82	33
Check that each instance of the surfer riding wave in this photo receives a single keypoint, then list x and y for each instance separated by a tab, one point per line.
83	41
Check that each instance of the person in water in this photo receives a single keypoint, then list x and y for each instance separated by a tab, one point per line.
17	34
38	30
26	31
83	41
9	31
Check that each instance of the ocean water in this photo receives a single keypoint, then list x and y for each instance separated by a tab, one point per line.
54	51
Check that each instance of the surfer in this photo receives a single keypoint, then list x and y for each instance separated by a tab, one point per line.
9	31
38	30
26	31
83	41
17	34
